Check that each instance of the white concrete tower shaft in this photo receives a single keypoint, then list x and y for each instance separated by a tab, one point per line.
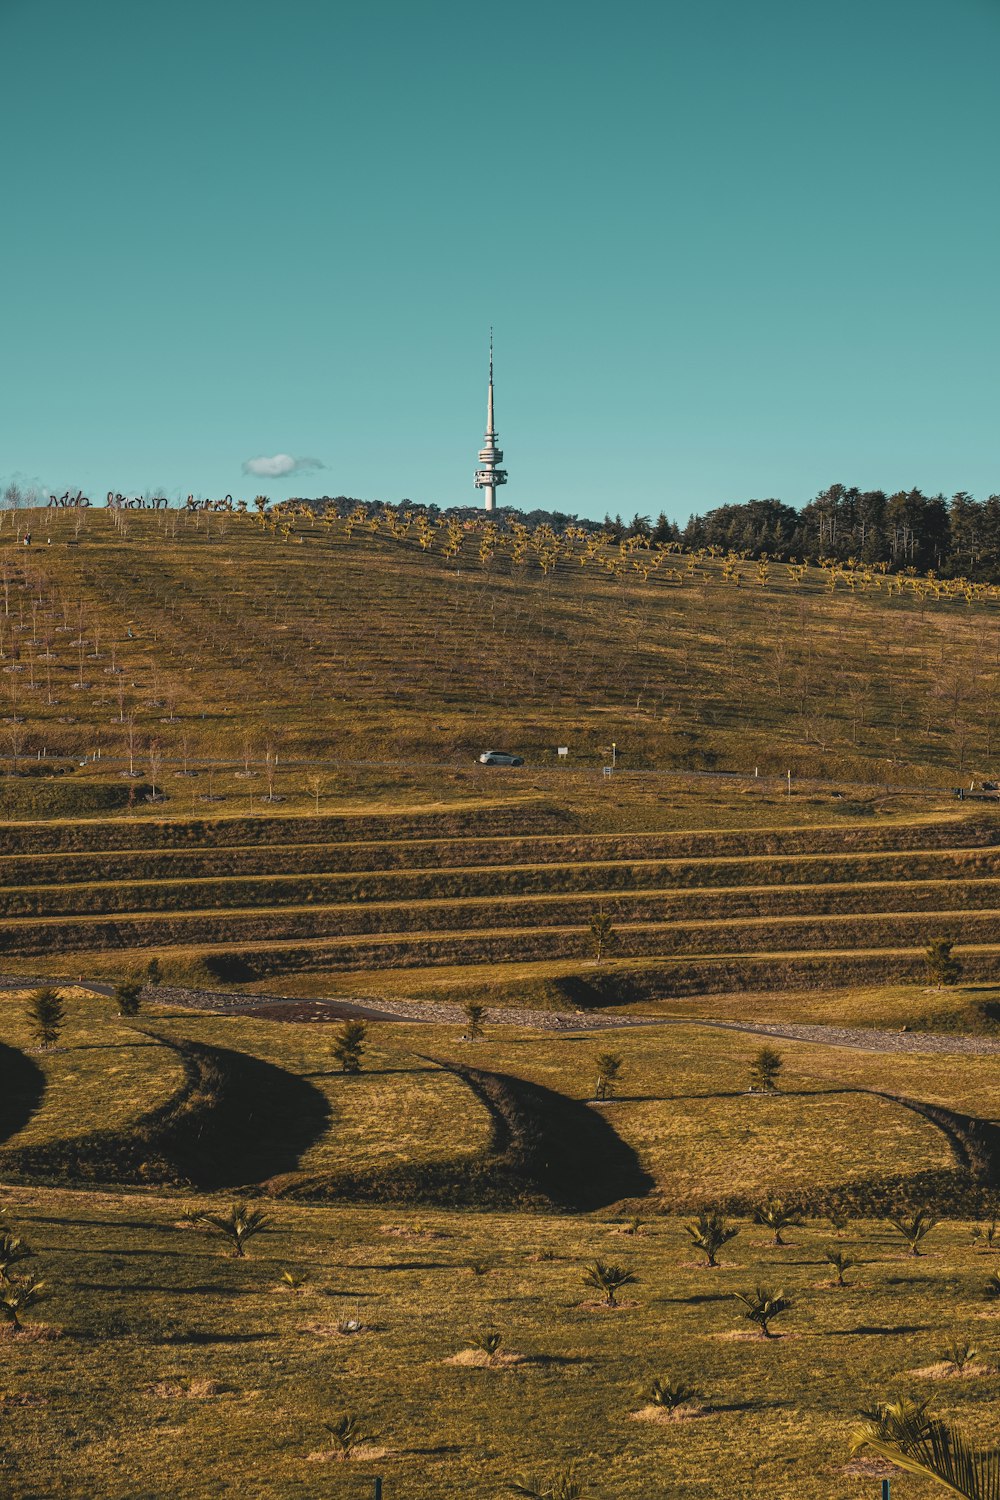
489	474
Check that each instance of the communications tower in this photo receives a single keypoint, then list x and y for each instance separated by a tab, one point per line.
489	475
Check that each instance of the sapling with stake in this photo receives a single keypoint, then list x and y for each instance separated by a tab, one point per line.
764	1071
475	1015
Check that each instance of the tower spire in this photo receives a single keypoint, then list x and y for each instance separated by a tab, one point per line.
489	402
489	474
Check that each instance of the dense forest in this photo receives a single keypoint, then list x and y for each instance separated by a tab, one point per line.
958	537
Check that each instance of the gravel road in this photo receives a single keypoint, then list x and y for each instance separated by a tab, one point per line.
435	1012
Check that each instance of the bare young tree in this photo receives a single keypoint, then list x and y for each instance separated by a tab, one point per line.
154	761
130	740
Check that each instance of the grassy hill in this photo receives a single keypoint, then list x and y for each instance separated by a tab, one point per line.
225	637
286	801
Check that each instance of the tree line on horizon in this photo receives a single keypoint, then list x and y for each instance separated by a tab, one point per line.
957	537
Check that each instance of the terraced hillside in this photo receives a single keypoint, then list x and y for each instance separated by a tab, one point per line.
443	897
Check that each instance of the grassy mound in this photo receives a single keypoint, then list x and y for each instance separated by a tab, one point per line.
545	1150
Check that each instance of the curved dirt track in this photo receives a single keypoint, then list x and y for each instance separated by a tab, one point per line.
434	1012
275	1007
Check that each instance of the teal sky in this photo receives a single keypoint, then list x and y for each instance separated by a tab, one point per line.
728	250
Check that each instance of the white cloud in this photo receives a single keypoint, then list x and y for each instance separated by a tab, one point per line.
279	465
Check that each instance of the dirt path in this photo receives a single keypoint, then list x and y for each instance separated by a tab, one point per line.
428	1012
440	1013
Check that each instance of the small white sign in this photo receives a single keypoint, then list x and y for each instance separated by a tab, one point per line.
562	750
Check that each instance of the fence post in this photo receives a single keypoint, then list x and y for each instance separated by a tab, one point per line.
885	1490
378	1491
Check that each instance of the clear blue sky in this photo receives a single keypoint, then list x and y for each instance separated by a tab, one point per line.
729	250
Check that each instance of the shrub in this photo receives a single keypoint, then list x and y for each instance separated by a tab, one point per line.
914	1228
841	1262
763	1306
987	1234
12	1251
349	1046
776	1217
46	1013
238	1226
942	968
346	1433
17	1294
563	1486
488	1343
127	996
670	1394
608	1279
764	1070
709	1233
902	1432
609	1065
960	1353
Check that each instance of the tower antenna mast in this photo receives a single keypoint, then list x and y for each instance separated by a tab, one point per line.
490	474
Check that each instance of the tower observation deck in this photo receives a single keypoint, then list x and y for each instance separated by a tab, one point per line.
489	474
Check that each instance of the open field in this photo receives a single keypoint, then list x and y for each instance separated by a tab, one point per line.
173	1354
158	1351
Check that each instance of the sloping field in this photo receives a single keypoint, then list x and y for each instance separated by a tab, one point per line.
496	885
212	639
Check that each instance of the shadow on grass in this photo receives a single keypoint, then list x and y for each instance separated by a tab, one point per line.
22	1088
867	1329
198	1336
236	1119
735	1406
369	1073
171	1291
408	1265
546	1151
110	1046
698	1299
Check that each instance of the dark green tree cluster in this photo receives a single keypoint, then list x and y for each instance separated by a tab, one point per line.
959	537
